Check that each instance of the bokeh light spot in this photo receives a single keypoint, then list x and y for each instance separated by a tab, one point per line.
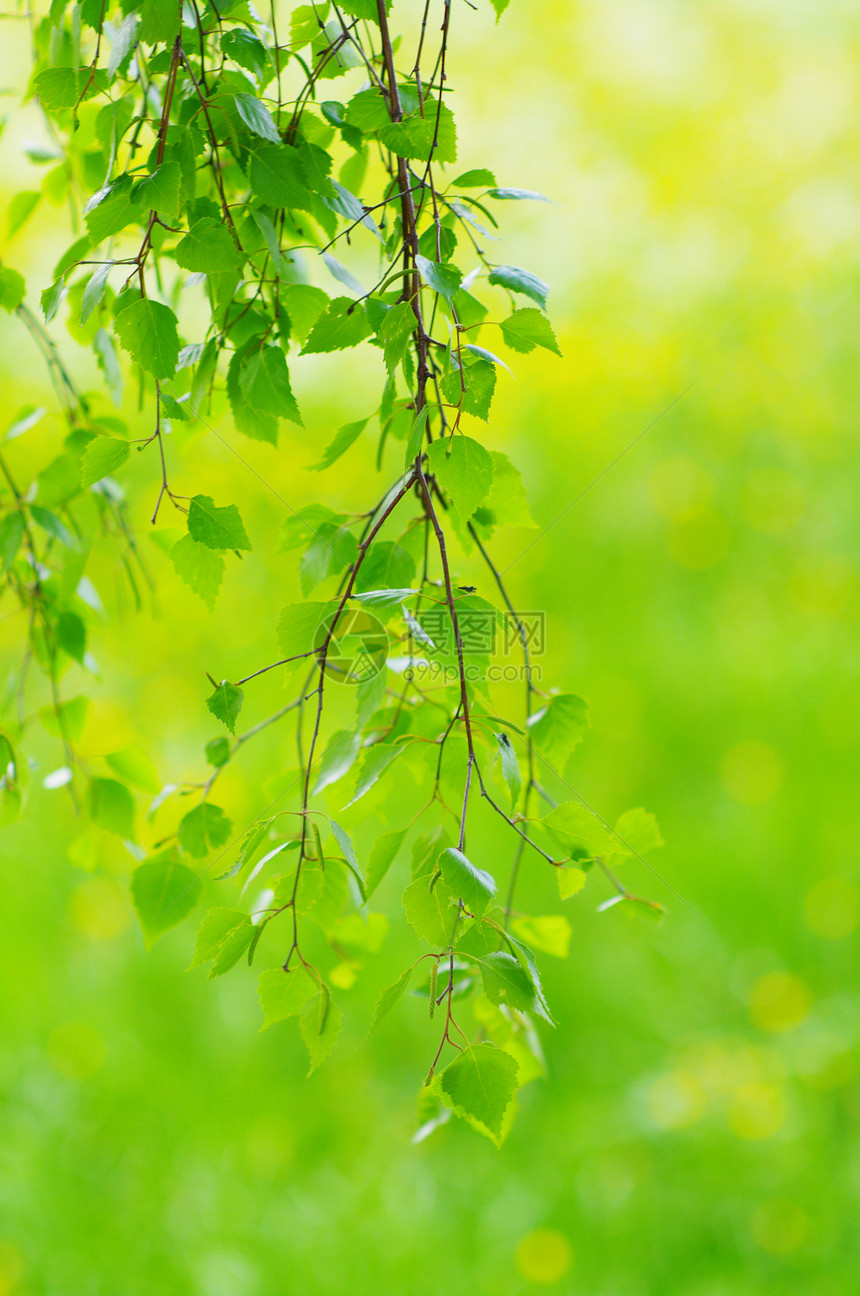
77	1050
676	1099
757	1110
544	1256
779	1001
752	771
100	908
779	1227
832	908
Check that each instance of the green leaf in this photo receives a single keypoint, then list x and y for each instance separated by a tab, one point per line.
570	882
550	933
110	210
283	994
112	806
276	176
479	178
443	279
21	208
200	568
517	195
160	192
101	458
304	305
164	892
95	290
342	324
217	528
416	436
264	381
382	856
639	831
132	764
528	328
12	288
226	703
63	87
246	49
204	828
520	281
298	625
159	22
344	841
338	758
232	947
506	980
339	444
510	768
479	1086
387	565
72	634
507	502
11	535
389	998
207	247
217	751
319	1023
147	331
51	299
216	924
579	832
472	885
500	6
464	470
376	761
431	914
396	329
257	117
474	390
559	726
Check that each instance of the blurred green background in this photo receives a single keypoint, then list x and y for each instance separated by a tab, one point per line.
696	1132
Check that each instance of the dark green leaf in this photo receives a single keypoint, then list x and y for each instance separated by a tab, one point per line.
226	703
217	528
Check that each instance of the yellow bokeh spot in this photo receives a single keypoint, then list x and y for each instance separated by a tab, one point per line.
100	908
752	771
676	1099
544	1256
77	1050
832	908
11	1267
779	1227
757	1110
680	488
779	1001
343	974
772	500
699	542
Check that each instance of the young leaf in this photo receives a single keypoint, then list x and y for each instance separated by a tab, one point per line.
217	528
298	627
147	331
479	178
257	117
559	726
226	703
319	1023
550	933
520	281
101	458
639	831
389	998
232	947
207	247
528	328
264	381
472	885
571	880
12	288
431	914
376	761
284	994
164	892
382	855
463	469
339	444
471	387
506	980
443	279
479	1086
216	924
396	329
112	806
510	767
204	828
342	324
200	567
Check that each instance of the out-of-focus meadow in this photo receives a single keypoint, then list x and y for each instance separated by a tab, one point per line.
693	466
